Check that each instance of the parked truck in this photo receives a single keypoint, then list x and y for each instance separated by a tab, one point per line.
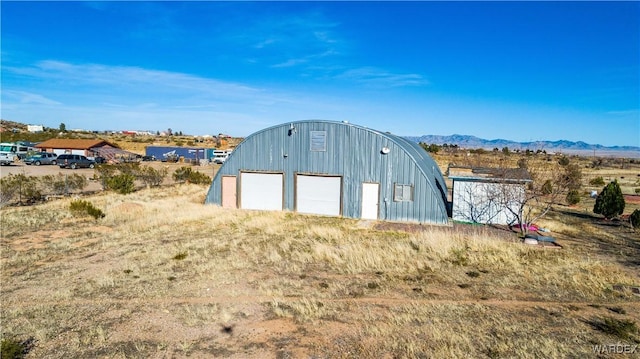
7	158
219	156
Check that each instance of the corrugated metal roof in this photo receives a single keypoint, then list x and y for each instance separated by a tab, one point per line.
73	143
352	152
489	174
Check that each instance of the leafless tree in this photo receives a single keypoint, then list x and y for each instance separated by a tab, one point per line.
547	186
477	204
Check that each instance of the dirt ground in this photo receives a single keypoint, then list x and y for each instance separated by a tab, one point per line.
162	276
154	280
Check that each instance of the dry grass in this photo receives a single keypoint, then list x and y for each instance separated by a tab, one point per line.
164	276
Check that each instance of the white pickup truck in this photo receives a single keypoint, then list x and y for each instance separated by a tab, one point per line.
219	156
7	158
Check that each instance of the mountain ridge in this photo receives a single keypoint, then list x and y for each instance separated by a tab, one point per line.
467	141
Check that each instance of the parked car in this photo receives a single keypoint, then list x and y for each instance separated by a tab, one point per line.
75	161
6	159
42	158
100	159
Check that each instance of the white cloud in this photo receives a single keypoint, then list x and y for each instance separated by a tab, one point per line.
29	98
374	77
631	112
96	96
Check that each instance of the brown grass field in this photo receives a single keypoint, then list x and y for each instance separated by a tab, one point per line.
164	276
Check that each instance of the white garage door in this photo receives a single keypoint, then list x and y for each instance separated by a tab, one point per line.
261	191
318	194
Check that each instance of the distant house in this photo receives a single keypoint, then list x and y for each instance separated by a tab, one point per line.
487	195
35	128
86	147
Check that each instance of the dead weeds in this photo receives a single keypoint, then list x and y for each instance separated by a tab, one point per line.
170	277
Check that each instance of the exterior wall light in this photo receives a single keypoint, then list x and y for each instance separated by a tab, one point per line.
385	150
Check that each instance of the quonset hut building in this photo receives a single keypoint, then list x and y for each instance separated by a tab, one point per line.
332	168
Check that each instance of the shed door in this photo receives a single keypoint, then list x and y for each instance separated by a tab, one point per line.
318	194
370	202
261	191
229	192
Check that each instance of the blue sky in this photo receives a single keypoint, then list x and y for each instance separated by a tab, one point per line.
521	71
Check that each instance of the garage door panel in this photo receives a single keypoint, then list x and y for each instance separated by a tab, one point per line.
261	191
318	195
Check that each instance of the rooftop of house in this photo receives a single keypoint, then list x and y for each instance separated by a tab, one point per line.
488	174
73	143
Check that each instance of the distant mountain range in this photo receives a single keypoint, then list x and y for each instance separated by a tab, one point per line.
562	146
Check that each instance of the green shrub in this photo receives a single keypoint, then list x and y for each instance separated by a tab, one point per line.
25	188
199	178
9	187
564	161
80	207
180	256
182	174
185	173
573	197
522	163
620	328
132	168
637	190
123	183
572	177
11	348
634	218
104	172
547	187
610	202
598	181
151	176
64	183
29	189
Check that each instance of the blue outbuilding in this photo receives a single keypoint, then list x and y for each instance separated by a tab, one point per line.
332	168
163	152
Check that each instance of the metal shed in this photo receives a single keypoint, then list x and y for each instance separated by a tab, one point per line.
332	168
487	195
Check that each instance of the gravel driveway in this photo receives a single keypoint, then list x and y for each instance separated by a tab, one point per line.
43	170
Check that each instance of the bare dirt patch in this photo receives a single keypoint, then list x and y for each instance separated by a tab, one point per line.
632	199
